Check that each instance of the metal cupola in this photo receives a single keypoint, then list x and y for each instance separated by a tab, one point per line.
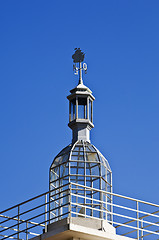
80	167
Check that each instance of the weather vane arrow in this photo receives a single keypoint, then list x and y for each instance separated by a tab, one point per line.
78	57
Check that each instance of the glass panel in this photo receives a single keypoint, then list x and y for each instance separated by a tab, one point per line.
96	184
60	159
90	147
109	177
92	157
95	170
63	170
55	171
103	170
64	158
104	161
82	108
51	176
74	170
73	109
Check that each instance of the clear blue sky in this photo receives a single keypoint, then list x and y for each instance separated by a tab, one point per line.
121	42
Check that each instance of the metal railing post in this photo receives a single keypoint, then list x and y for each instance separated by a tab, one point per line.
18	221
102	215
69	201
137	219
142	229
106	206
26	230
46	212
85	201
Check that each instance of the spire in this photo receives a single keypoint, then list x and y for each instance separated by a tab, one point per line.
78	58
80	103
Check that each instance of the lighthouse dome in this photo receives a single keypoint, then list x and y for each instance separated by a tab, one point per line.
80	164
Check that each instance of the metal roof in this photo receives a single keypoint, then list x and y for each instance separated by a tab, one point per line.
83	151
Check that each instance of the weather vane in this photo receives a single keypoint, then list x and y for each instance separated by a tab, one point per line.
78	57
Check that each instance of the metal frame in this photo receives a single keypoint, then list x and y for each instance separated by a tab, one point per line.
83	164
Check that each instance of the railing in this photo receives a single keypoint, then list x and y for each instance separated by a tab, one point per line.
131	217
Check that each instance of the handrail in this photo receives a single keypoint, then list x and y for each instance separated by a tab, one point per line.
147	215
117	195
31	199
67	200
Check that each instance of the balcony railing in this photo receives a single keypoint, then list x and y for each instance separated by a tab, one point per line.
131	217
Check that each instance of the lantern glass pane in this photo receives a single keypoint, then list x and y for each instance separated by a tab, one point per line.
82	108
73	109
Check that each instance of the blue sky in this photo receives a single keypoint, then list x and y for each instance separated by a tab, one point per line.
121	42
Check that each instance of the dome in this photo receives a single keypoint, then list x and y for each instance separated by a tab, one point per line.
81	150
82	165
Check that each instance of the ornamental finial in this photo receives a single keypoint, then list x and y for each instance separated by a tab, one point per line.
78	57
